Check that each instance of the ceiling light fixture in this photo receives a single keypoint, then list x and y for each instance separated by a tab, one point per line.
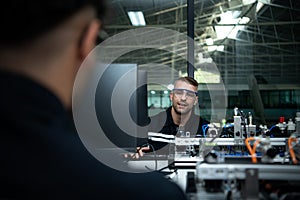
136	18
209	41
227	31
259	5
215	48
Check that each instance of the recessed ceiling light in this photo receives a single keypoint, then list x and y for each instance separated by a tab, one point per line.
137	18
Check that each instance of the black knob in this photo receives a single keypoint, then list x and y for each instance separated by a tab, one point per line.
271	152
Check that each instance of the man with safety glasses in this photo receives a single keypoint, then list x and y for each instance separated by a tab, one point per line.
179	118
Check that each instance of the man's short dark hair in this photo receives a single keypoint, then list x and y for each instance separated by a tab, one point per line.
188	80
24	20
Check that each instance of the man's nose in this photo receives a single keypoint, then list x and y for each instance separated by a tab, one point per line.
183	96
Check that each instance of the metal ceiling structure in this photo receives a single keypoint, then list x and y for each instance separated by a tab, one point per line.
267	45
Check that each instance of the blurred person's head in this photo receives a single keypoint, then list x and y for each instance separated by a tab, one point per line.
25	20
184	95
48	40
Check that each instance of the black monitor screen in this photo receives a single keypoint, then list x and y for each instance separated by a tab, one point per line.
121	105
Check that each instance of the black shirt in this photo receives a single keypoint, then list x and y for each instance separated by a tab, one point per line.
42	156
163	123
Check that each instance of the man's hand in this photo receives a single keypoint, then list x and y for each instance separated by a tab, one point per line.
139	152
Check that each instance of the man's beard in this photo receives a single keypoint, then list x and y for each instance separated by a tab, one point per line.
182	113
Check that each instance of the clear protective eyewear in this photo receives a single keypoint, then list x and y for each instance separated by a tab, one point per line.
188	93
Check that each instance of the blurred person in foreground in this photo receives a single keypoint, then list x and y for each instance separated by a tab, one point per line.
42	45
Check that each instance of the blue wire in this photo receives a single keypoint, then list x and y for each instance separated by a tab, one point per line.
272	127
205	130
204	127
227	126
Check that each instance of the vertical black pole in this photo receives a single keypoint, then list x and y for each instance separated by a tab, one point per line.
190	33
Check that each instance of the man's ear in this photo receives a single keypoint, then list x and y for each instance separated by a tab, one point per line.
171	96
196	101
89	38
